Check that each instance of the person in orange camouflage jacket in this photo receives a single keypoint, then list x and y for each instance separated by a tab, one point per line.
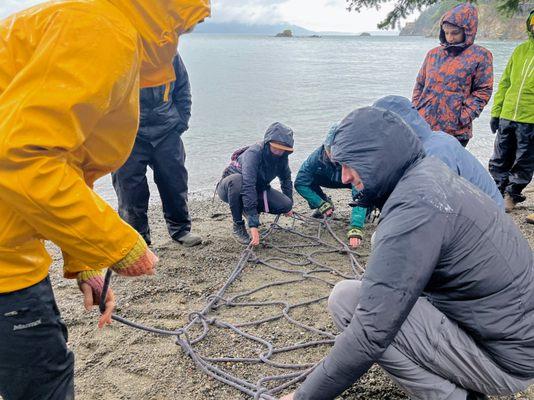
456	79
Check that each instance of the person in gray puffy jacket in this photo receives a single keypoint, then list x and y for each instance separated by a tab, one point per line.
446	305
444	147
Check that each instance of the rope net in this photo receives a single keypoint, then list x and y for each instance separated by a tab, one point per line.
263	339
267	327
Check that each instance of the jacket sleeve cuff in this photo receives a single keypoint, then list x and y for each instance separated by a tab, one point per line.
138	250
253	221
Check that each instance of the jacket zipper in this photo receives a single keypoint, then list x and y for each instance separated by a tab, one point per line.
525	74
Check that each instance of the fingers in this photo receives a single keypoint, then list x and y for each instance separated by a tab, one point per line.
88	300
329	213
355	242
105	318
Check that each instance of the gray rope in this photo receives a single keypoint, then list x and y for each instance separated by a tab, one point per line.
205	319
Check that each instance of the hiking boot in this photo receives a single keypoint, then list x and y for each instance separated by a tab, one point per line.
188	240
530	219
509	203
240	233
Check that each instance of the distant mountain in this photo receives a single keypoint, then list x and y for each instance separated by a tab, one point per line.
237	28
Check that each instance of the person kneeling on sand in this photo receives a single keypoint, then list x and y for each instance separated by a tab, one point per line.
446	304
245	183
444	147
319	171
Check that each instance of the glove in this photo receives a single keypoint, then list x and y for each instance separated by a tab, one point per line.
95	280
325	207
139	261
355	233
494	124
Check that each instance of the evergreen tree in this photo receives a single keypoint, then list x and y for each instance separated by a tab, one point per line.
403	8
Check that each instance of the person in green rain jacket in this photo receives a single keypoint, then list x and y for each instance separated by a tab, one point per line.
319	171
512	117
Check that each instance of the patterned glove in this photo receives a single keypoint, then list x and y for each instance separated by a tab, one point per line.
355	233
139	261
494	124
325	207
95	280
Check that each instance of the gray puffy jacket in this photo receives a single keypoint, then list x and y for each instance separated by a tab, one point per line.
438	236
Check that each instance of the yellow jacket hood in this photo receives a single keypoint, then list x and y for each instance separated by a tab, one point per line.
160	23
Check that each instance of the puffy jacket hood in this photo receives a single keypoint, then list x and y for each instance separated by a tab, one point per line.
466	17
530	34
404	108
279	133
378	145
160	23
330	136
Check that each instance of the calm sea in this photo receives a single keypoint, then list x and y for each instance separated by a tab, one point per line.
241	84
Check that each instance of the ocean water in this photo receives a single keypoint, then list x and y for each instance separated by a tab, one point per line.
241	84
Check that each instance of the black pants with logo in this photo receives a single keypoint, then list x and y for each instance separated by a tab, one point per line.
167	159
35	362
512	163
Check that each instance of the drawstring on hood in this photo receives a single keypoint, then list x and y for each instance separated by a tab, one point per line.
160	23
464	16
380	147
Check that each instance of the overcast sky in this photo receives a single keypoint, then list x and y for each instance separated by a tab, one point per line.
316	15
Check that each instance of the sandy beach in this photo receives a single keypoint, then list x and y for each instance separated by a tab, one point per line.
119	362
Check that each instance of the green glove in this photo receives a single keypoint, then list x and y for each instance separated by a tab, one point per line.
355	233
325	206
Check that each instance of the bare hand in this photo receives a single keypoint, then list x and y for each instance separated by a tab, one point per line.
255	236
288	396
289	214
329	212
89	301
355	242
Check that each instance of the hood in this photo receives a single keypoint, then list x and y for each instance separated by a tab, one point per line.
280	133
404	108
330	136
160	23
465	16
530	16
378	145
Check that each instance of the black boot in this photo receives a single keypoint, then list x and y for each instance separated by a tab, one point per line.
240	233
472	395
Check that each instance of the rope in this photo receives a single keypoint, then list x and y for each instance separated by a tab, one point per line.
307	269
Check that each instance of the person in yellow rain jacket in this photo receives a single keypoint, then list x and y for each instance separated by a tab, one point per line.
70	75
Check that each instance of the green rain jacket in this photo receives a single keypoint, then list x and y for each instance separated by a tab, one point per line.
515	96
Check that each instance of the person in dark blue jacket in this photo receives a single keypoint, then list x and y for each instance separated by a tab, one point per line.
444	146
446	304
165	113
319	171
245	183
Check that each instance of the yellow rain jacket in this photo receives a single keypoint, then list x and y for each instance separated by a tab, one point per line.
70	73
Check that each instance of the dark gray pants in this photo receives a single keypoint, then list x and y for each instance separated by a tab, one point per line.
512	163
167	159
431	358
35	362
229	191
